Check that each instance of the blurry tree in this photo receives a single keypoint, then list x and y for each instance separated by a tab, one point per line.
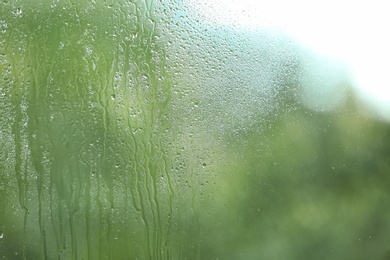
315	187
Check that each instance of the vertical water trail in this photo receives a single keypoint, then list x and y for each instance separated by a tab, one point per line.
17	129
107	171
35	138
166	87
152	131
141	167
87	208
194	192
55	229
98	178
128	156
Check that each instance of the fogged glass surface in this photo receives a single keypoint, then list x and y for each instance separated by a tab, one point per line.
166	130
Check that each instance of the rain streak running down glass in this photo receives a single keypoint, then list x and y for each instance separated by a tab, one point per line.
141	129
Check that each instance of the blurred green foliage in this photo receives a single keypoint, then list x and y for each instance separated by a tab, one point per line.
94	163
315	187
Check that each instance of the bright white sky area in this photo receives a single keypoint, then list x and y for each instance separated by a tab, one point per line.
357	33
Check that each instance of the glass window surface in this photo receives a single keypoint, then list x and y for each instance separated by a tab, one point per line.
194	129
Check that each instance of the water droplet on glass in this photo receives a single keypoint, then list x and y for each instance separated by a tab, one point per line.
17	12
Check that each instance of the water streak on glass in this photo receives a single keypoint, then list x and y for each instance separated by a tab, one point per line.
86	131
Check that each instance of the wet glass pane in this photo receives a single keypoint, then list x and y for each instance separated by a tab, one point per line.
140	129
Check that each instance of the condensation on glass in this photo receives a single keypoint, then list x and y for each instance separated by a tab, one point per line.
89	160
140	129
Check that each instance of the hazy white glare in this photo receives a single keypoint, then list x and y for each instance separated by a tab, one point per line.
353	33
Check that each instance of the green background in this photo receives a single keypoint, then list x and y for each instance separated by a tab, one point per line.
130	131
